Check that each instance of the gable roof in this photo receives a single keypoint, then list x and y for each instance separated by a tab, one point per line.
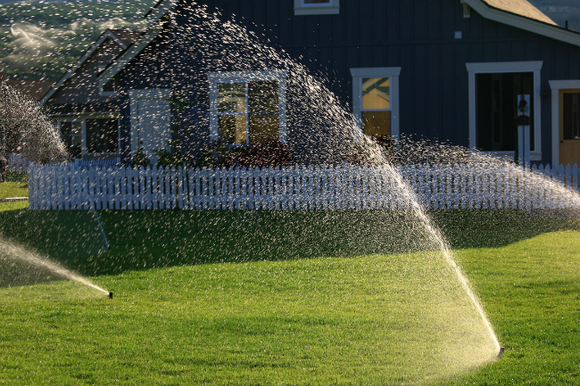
520	7
123	38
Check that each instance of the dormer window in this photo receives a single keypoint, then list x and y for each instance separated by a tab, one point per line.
316	7
111	87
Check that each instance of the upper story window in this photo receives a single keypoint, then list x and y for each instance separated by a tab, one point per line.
248	107
316	7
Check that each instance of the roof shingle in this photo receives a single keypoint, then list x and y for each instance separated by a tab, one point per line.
521	8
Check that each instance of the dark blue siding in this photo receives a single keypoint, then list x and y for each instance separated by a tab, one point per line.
416	35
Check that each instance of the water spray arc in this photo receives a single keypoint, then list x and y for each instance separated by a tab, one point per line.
439	240
16	252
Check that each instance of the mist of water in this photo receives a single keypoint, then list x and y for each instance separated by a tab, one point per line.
28	259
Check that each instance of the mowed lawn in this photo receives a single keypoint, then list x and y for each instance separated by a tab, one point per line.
267	297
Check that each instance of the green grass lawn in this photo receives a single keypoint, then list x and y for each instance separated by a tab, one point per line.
278	297
13	189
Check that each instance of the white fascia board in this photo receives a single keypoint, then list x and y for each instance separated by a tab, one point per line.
551	31
159	11
127	56
106	35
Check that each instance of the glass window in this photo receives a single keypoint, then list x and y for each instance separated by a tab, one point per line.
497	101
376	107
375	94
571	116
318	2
247	112
71	135
102	135
316	7
248	109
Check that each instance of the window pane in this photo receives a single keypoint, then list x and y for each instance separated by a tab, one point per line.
571	124
317	1
232	128
375	93
376	123
102	135
231	97
66	133
263	96
497	101
263	128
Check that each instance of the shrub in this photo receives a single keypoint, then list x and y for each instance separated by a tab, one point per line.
272	153
140	160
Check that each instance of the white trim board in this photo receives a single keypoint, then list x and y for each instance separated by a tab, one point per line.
108	34
127	56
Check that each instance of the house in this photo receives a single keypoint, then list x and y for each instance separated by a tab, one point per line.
88	115
461	71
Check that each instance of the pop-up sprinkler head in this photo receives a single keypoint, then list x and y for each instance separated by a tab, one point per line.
110	295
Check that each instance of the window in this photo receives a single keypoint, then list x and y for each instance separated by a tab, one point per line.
111	87
571	116
90	136
495	90
316	7
102	135
375	100
248	107
70	134
497	101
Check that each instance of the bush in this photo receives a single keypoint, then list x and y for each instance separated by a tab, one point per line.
140	160
273	153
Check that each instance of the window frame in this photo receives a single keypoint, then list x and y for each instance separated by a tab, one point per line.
393	73
534	67
216	78
301	8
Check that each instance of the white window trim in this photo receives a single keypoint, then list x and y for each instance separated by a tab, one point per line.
332	8
506	67
556	86
393	74
247	76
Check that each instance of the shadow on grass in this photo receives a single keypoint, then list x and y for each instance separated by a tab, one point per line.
148	239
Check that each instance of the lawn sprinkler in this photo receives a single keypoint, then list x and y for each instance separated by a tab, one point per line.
110	295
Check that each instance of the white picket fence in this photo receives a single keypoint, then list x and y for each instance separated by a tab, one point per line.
344	187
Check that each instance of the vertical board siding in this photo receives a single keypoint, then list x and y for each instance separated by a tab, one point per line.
478	186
